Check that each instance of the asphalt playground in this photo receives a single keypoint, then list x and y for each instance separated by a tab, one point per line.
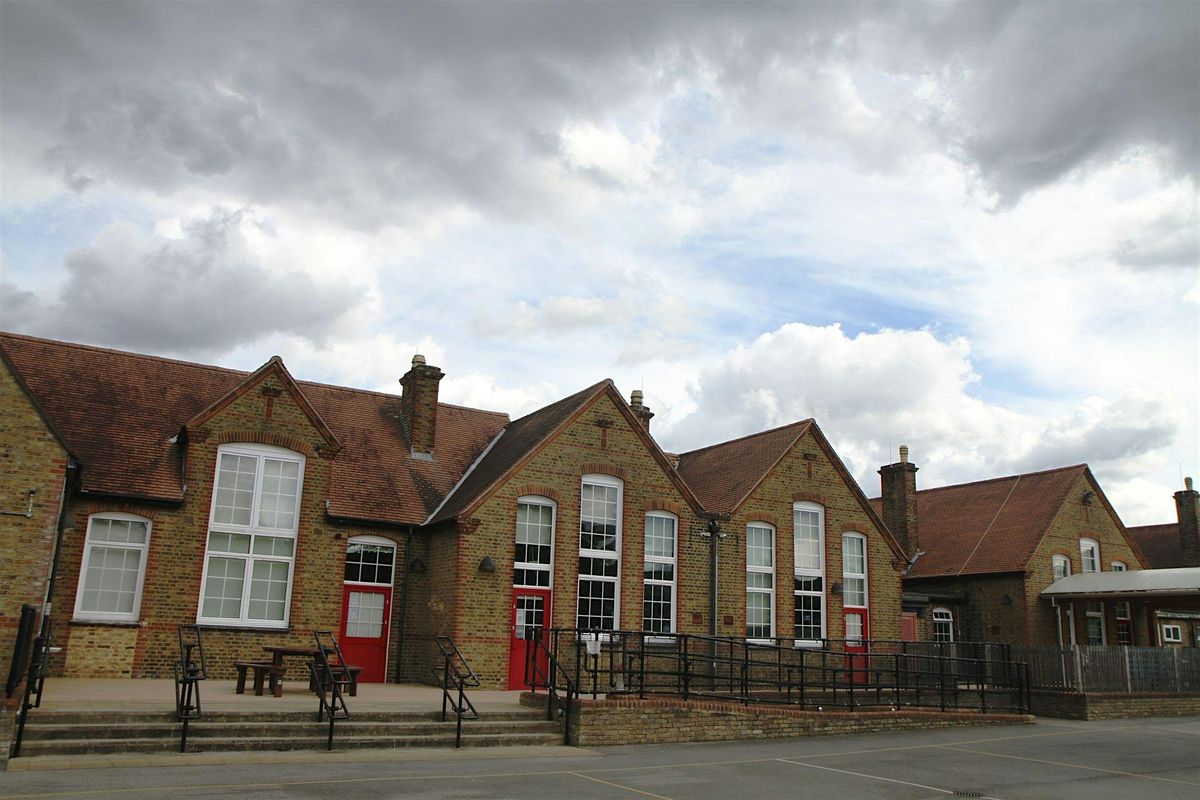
1060	759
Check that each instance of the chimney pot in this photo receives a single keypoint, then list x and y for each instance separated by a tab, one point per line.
635	400
419	405
638	406
1187	484
418	360
898	483
903	454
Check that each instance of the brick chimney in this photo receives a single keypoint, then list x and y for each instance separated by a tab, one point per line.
419	404
1189	533
899	497
640	411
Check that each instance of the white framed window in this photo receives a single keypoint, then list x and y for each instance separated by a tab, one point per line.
1061	565
1094	619
760	581
854	570
943	625
598	607
1089	555
251	550
370	559
658	570
533	562
1119	566
808	569
1172	633
114	567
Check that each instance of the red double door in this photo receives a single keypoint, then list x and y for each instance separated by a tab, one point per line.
530	613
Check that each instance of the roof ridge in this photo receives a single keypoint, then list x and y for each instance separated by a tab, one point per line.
999	478
130	353
747	436
585	391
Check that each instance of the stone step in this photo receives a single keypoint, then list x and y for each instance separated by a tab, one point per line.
213	728
39	717
343	740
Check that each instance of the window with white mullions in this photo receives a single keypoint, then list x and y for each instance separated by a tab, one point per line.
1089	555
368	562
534	554
1172	634
658	588
114	566
599	553
760	581
1061	566
943	625
854	570
251	545
1094	614
808	524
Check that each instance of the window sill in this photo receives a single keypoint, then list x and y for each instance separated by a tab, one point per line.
105	623
216	626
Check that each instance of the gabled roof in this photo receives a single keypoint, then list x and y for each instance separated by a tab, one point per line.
992	525
1159	544
724	475
118	412
523	438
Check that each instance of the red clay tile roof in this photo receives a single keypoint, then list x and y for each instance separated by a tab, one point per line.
987	526
723	475
1159	544
118	411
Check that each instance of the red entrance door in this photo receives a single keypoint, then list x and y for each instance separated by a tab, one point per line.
531	612
857	660
364	640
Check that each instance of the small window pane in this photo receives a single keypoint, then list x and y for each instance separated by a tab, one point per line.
223	588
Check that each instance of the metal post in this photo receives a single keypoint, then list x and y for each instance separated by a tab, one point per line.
1078	668
942	680
1128	674
1175	660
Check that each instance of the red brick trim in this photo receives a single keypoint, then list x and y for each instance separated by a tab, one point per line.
811	497
663	505
762	516
260	437
603	469
109	507
540	489
852	527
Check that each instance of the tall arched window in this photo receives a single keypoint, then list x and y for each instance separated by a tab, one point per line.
114	568
658	570
808	534
599	553
760	581
533	562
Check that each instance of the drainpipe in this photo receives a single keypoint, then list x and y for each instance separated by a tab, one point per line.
403	605
52	578
714	533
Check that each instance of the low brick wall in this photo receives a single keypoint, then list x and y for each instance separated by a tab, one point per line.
1079	705
661	720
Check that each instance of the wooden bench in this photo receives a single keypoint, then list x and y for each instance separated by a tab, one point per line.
264	671
347	670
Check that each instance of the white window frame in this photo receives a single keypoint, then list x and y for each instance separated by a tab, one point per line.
847	576
1084	546
253	530
761	569
1119	566
619	485
536	566
90	544
943	616
1091	611
803	572
672	561
1058	560
1172	634
378	541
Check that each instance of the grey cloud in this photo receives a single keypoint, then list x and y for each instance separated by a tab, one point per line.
1168	242
200	295
370	112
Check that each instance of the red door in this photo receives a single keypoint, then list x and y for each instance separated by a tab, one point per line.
857	661
908	626
365	614
531	612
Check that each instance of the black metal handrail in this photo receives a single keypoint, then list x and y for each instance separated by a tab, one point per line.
190	669
549	678
329	676
456	674
853	676
38	653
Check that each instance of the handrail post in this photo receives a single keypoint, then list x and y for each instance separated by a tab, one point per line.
896	676
942	680
684	664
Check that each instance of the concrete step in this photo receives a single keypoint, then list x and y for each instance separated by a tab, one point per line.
46	717
209	728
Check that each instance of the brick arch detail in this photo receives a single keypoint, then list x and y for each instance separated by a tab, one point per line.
763	516
663	505
109	507
811	497
853	527
603	469
540	489
262	437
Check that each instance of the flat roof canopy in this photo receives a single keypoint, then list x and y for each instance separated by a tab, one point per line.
1185	580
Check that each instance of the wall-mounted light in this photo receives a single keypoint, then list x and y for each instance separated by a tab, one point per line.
487	564
417	567
836	587
1006	600
1087	497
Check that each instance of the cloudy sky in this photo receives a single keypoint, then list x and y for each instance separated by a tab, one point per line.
971	228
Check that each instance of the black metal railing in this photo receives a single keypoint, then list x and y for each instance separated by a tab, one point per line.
30	659
455	676
544	671
847	674
330	674
190	669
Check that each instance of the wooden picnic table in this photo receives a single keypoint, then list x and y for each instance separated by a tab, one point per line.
279	651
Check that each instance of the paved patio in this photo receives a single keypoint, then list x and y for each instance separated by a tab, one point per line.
146	694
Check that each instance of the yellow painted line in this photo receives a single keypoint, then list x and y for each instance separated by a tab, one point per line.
874	777
618	786
1069	765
